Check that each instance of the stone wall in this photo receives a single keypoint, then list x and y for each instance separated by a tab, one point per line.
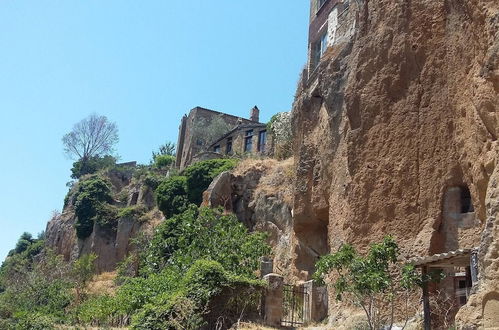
187	147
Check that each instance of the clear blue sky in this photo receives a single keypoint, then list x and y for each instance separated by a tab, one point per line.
143	64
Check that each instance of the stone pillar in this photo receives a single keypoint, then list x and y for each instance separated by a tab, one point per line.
317	308
266	266
273	309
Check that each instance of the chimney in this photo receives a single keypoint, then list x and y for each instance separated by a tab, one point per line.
255	114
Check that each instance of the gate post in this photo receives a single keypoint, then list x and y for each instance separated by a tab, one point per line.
317	305
273	309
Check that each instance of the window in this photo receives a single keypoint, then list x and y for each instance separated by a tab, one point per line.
262	141
228	149
216	148
319	48
466	202
248	141
320	3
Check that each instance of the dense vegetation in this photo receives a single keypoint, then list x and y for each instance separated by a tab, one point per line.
92	204
198	268
176	193
192	258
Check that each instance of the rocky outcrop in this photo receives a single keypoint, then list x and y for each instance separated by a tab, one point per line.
110	245
259	193
393	118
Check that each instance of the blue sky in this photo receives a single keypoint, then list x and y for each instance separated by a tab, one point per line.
143	64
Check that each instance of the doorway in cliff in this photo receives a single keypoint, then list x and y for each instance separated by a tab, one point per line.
311	232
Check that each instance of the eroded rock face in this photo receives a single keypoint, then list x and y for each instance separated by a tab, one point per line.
259	193
393	119
111	246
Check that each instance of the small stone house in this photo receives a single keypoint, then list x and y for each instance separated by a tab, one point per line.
196	144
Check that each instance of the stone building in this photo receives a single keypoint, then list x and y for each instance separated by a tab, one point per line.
202	126
329	25
244	138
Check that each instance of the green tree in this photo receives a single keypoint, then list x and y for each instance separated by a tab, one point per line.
91	165
171	196
372	282
200	175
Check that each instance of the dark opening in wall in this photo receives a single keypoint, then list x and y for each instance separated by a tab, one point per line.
134	199
466	201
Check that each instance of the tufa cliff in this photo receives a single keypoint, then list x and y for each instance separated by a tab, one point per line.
396	133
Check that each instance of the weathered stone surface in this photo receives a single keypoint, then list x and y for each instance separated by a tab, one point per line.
110	246
404	110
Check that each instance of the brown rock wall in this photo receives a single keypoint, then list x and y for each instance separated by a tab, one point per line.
393	119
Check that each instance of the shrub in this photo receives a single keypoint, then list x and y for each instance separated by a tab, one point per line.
134	212
171	196
91	165
205	234
91	205
200	175
163	161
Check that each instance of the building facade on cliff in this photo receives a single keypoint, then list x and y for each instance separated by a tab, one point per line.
208	134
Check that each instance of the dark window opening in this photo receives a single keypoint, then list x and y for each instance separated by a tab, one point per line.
248	141
135	198
216	148
462	300
262	141
320	3
466	201
228	149
199	142
462	284
318	49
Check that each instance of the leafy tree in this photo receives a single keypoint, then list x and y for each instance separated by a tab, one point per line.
91	165
200	175
171	196
372	282
167	149
280	128
82	272
24	242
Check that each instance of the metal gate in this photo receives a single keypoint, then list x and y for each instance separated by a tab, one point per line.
295	306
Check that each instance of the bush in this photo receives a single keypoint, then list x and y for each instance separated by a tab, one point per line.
91	205
205	234
91	165
171	196
163	161
200	175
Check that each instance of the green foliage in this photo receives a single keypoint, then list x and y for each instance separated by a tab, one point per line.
205	234
171	196
169	312
163	161
24	242
133	212
192	258
91	165
200	175
372	281
35	293
91	205
167	149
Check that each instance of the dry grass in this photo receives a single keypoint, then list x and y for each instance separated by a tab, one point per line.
252	164
279	181
102	284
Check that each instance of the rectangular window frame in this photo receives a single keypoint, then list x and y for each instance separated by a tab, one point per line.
262	140
248	141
